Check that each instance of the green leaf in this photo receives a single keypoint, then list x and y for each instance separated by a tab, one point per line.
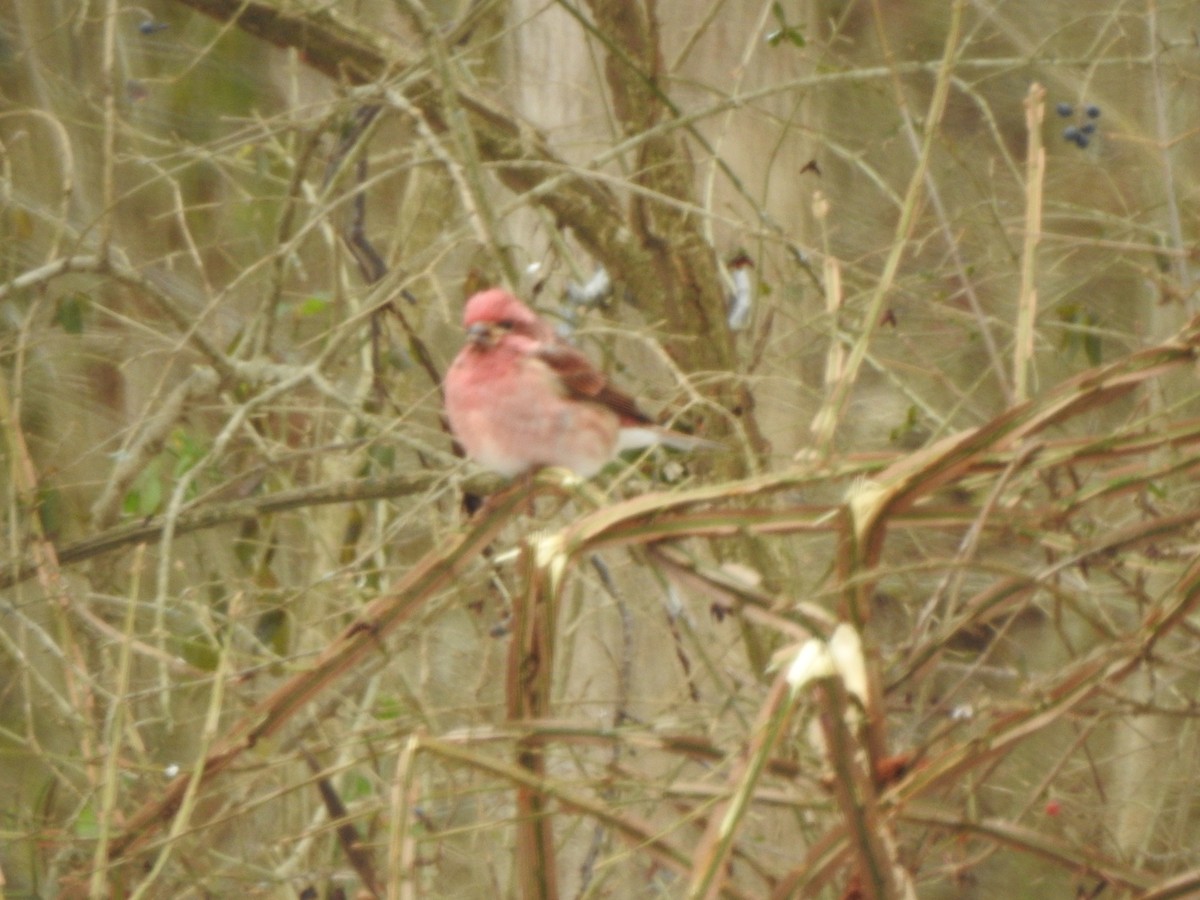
383	455
145	496
69	312
1080	332
312	306
51	512
85	824
356	787
186	450
389	707
274	630
785	31
201	651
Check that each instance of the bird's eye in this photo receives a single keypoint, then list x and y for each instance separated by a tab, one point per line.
506	324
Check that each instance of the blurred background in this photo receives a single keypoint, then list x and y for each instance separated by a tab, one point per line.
235	242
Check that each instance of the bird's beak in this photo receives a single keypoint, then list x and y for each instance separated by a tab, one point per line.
481	335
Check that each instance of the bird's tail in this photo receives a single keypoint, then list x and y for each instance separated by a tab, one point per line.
636	437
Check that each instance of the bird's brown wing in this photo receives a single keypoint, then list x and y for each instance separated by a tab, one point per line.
582	379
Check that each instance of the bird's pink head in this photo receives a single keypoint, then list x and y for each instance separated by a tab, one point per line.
496	305
493	314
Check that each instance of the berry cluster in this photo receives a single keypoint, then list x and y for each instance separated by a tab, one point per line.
1080	134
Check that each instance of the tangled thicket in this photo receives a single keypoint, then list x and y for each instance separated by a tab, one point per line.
926	272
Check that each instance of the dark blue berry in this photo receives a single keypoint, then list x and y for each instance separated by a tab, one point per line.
1092	111
1070	133
1088	127
152	27
1081	139
1065	109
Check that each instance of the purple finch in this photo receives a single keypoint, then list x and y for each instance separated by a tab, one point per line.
519	398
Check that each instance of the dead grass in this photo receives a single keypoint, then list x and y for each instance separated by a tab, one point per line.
255	639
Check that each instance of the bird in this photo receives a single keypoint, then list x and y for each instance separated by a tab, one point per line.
519	398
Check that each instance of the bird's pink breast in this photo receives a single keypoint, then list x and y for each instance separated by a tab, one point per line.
508	412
